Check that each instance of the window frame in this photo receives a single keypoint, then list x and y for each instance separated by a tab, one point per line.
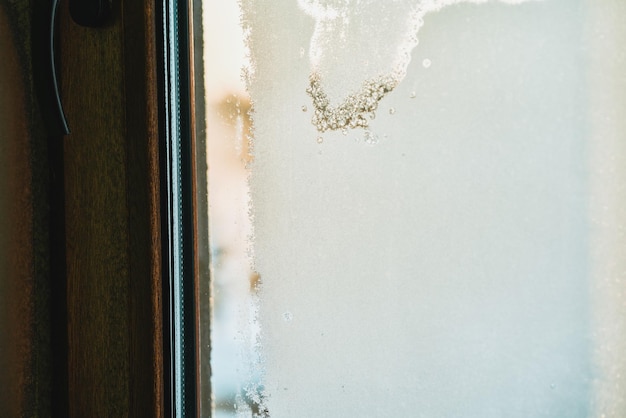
177	126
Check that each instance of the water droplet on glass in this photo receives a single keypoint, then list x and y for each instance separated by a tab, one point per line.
304	108
392	110
344	131
354	110
552	385
370	138
412	95
426	63
320	139
287	316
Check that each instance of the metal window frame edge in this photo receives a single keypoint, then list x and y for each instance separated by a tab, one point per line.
178	208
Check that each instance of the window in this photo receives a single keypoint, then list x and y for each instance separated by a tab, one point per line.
458	256
448	246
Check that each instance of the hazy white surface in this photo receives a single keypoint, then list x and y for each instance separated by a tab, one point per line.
232	331
607	203
356	40
468	264
223	49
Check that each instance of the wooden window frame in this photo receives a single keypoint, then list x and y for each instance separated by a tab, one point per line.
155	298
115	363
92	226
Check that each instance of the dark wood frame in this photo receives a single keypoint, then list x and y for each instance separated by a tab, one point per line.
84	334
112	214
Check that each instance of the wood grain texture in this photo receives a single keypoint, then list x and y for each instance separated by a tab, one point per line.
112	219
195	220
97	227
25	285
144	199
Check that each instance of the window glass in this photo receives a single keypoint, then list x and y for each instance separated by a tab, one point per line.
423	209
233	330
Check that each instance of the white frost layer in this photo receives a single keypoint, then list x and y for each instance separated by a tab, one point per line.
447	270
376	35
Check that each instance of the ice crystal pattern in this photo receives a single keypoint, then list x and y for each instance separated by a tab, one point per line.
355	110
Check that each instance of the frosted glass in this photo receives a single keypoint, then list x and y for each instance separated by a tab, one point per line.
447	240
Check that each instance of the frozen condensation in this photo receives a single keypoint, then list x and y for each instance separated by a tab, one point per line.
362	40
454	269
354	111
